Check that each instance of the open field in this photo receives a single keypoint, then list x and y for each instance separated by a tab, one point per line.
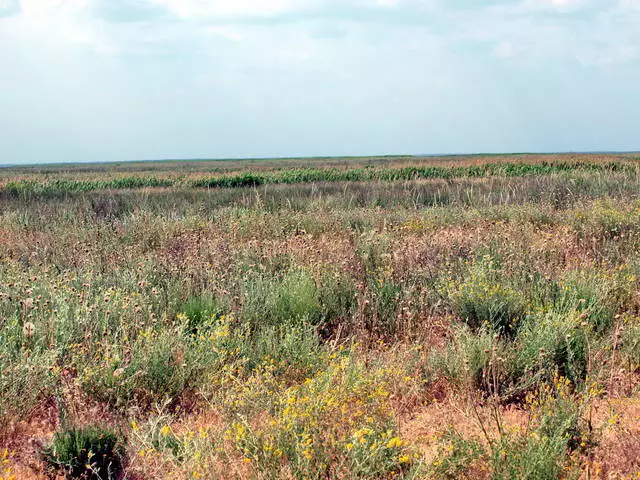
371	318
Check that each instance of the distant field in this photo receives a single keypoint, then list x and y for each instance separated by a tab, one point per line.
331	318
63	179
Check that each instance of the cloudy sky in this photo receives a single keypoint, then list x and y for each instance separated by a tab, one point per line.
97	80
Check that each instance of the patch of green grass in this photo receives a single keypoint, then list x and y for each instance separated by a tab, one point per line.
456	457
158	367
200	311
293	298
86	453
543	453
485	296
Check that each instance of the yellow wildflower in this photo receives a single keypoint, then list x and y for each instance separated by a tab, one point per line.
395	442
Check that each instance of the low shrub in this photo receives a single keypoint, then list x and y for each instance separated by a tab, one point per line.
156	367
478	360
485	296
381	317
24	380
457	456
595	295
630	339
549	344
337	293
87	453
292	349
540	451
291	299
336	424
199	311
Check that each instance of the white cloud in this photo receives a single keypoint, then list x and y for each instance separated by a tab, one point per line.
505	50
605	34
42	26
208	8
226	33
199	9
564	3
615	55
187	69
591	33
45	8
532	7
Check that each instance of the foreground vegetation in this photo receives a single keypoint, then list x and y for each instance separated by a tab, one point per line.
411	319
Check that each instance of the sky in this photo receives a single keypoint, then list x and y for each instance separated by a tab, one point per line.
114	80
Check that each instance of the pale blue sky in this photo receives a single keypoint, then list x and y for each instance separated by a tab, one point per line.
98	80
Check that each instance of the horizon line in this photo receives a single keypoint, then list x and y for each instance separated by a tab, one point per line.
313	157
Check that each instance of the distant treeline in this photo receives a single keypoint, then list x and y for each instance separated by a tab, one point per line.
310	175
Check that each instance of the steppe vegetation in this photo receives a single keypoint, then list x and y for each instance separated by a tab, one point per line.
379	318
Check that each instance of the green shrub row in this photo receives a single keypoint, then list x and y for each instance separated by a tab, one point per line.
406	173
310	175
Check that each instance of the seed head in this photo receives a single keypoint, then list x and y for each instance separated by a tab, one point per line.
28	330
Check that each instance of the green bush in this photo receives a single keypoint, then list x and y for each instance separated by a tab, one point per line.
544	452
26	365
485	296
292	299
297	297
87	453
478	360
337	294
548	344
595	295
385	302
199	311
456	456
373	252
631	343
23	382
539	452
157	367
294	349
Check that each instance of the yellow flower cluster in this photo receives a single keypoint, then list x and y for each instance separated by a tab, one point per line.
341	413
6	470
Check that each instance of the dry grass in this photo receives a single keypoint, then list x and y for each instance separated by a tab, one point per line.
325	331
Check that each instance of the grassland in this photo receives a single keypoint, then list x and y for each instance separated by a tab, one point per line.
370	318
